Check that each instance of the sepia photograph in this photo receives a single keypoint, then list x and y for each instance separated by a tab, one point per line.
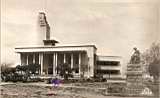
80	49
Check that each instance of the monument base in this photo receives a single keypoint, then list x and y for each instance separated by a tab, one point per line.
134	80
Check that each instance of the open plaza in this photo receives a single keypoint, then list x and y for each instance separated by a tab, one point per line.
42	90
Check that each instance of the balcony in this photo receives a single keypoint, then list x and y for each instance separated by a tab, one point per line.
102	67
112	76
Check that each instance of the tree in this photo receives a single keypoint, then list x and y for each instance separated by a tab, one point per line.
33	68
7	72
152	59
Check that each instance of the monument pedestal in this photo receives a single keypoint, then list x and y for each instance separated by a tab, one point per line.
134	80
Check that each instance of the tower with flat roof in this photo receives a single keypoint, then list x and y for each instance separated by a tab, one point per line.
44	30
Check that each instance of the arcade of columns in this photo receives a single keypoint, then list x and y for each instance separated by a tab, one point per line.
41	57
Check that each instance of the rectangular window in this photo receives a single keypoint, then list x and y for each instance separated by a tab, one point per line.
112	63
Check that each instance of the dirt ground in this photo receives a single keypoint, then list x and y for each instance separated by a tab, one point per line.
23	90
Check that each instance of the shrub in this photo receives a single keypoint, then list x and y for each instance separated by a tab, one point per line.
116	88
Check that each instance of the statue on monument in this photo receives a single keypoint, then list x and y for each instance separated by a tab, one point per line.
135	58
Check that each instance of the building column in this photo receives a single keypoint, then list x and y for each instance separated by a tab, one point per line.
64	58
53	64
39	62
39	59
27	59
41	56
20	58
79	63
88	67
56	63
71	60
34	58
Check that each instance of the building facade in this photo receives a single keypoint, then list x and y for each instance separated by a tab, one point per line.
82	58
109	66
50	57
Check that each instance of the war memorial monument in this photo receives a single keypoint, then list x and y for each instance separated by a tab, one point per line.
134	75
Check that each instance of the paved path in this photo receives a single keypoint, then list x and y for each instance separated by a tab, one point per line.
6	83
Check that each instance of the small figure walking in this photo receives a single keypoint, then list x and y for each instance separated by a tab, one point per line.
56	82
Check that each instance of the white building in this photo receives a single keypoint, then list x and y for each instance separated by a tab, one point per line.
82	58
109	66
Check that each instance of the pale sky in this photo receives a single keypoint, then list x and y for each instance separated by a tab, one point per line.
114	26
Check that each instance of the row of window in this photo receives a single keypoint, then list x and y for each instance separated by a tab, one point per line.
114	63
108	71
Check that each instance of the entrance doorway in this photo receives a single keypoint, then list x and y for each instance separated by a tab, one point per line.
48	63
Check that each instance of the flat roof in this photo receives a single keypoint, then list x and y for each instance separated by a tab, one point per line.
56	46
18	49
50	41
109	58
